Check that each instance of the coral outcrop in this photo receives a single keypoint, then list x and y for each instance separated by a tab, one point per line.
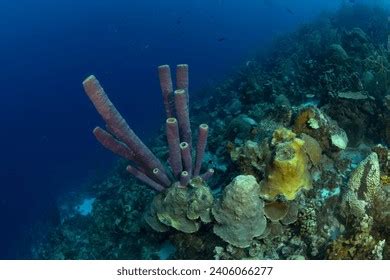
361	203
239	214
363	187
313	122
250	158
287	169
181	208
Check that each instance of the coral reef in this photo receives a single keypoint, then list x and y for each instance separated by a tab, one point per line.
299	143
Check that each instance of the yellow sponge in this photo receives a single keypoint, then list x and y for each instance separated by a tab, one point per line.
286	172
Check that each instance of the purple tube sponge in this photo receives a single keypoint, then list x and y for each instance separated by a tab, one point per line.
161	177
183	116
184	179
122	140
186	156
164	74
144	178
182	79
201	147
118	125
110	143
173	139
207	175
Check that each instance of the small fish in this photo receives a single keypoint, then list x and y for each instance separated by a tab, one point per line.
178	21
44	139
221	39
290	11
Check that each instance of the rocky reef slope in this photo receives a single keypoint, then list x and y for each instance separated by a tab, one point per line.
299	143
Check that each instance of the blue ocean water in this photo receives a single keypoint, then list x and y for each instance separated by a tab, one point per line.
48	47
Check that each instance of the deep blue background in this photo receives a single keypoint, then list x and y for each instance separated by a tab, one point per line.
48	47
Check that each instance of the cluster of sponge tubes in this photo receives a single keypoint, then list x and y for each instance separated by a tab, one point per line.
144	165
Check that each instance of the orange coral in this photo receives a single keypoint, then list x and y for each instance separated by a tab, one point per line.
301	122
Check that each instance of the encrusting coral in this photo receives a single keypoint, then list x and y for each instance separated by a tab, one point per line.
181	208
